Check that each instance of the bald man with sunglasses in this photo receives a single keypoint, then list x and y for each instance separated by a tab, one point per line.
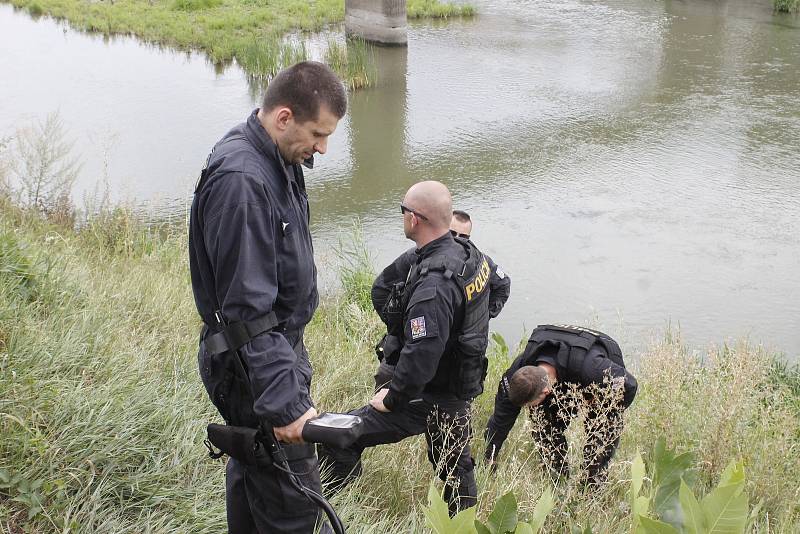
440	324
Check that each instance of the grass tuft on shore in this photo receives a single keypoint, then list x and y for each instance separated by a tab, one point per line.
418	9
102	412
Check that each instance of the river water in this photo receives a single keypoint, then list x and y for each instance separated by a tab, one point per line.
632	164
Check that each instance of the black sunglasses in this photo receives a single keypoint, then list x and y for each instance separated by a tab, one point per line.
404	209
456	234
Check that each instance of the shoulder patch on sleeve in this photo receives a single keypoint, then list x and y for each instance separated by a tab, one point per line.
418	327
500	273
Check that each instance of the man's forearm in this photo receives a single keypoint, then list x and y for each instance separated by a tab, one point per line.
281	396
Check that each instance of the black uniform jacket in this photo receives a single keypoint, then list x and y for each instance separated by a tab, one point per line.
250	253
499	282
594	367
434	313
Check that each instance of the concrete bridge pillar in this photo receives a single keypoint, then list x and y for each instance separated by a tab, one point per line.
379	21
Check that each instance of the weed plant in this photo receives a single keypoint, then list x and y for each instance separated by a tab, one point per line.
102	413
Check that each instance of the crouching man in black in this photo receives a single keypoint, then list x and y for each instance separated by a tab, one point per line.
559	364
442	337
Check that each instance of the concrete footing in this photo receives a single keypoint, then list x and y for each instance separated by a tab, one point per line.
379	21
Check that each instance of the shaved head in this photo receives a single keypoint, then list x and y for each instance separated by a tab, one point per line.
431	199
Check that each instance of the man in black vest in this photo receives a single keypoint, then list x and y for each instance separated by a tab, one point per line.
443	335
253	278
396	273
559	362
499	281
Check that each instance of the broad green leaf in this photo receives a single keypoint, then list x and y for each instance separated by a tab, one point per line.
638	506
523	528
436	513
725	508
733	474
641	503
637	476
668	470
543	507
651	526
464	522
33	512
481	528
504	516
693	518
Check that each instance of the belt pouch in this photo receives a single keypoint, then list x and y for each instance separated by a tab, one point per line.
239	442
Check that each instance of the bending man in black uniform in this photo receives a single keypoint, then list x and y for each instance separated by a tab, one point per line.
252	268
558	362
396	273
442	324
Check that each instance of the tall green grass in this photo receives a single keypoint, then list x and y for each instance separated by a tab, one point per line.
102	412
354	61
417	9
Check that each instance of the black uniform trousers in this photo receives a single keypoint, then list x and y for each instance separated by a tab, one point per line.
603	427
261	500
445	421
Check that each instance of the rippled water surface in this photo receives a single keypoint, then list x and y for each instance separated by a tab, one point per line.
630	163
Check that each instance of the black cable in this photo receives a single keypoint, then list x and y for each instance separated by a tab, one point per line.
313	496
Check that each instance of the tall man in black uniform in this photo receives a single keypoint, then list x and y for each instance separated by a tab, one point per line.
444	323
558	360
252	266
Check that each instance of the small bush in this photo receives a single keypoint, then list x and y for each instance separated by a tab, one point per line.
44	166
786	6
35	10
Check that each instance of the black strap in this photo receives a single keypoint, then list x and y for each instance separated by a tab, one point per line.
235	336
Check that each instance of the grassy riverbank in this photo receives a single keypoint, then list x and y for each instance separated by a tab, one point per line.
102	412
251	32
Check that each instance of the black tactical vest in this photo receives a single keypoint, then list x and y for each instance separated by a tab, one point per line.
472	338
573	343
